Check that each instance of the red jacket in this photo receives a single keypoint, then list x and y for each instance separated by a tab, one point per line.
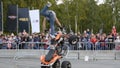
114	31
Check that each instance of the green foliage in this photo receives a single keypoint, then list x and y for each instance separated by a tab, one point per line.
88	13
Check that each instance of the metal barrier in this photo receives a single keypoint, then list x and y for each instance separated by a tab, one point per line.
73	54
99	50
8	45
79	46
96	46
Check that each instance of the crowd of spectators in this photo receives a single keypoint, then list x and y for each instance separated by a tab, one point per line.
87	41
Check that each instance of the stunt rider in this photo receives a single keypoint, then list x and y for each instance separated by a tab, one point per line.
50	16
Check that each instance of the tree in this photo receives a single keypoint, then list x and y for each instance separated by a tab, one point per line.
87	12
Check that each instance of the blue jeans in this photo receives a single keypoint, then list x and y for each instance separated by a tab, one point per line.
51	17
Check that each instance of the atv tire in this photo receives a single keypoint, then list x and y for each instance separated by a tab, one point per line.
45	67
66	64
73	39
56	64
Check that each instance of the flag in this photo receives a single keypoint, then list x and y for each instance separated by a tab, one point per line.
11	25
35	20
23	20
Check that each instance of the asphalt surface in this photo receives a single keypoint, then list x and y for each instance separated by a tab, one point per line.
35	63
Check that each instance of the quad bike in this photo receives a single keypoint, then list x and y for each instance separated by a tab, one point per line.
57	51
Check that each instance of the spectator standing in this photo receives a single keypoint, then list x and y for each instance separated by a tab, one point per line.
93	40
114	32
36	39
86	42
117	43
109	40
102	43
0	41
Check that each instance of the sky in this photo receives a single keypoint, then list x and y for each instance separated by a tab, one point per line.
100	1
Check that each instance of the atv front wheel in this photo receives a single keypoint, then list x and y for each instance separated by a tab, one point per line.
73	40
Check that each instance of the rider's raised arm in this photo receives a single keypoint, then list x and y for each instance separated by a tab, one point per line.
58	22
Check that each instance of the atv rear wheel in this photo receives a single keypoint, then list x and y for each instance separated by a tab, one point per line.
45	67
66	64
56	64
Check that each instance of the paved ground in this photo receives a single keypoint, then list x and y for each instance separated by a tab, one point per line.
34	63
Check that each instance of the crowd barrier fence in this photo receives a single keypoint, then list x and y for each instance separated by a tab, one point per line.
78	51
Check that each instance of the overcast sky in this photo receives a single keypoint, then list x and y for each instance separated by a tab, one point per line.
61	1
100	1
